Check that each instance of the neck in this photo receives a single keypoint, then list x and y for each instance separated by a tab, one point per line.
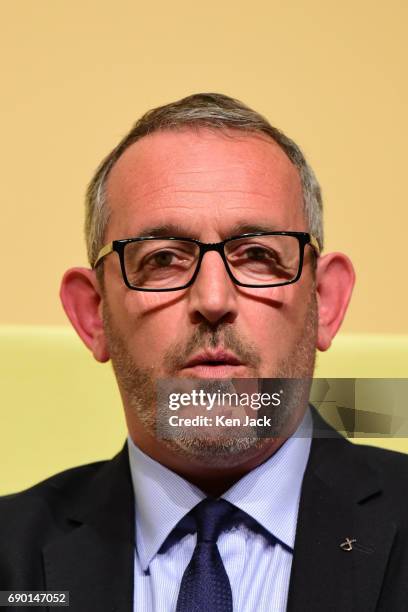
216	480
216	477
213	475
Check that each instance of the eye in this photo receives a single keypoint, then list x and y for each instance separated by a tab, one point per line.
253	253
161	259
259	253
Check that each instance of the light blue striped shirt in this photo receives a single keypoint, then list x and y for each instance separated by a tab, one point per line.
258	567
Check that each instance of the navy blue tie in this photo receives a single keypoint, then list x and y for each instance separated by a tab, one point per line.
205	585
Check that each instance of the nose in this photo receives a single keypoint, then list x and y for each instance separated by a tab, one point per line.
213	295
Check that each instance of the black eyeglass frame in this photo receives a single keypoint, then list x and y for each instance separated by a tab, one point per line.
118	246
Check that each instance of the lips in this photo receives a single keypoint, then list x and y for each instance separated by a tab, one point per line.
219	357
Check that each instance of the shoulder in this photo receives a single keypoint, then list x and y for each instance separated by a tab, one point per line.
373	477
391	465
36	518
32	518
41	501
357	471
329	445
381	456
72	477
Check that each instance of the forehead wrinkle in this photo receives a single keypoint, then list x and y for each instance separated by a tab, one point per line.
220	191
189	209
222	168
248	168
160	204
278	176
185	209
169	188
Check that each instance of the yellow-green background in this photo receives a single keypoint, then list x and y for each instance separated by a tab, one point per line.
76	74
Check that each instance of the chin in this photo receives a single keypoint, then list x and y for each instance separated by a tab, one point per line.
223	453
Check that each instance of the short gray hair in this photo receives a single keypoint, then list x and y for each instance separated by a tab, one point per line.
204	110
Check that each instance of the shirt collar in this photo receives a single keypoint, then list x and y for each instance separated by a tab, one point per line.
281	476
163	498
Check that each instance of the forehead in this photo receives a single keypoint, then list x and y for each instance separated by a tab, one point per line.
205	182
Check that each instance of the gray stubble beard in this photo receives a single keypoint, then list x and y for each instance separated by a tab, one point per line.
138	386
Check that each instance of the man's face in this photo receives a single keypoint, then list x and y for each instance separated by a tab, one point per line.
207	186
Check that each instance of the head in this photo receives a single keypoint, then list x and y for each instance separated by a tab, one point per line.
206	167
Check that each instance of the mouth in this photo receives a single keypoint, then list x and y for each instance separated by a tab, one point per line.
214	364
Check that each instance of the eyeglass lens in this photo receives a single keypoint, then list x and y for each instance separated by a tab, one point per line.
168	264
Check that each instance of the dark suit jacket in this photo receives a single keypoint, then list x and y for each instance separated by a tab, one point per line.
75	532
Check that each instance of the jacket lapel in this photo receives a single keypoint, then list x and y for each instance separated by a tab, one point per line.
338	501
93	555
93	559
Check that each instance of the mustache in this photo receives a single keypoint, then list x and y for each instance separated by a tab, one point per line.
204	337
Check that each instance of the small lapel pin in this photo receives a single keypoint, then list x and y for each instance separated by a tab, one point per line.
348	544
351	544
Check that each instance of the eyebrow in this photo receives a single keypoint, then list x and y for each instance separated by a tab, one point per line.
175	229
251	228
167	229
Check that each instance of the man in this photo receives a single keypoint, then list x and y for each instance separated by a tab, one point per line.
204	234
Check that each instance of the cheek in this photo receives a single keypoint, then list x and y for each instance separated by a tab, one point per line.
275	296
139	304
154	321
272	316
266	305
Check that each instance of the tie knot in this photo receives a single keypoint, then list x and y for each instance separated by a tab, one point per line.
211	516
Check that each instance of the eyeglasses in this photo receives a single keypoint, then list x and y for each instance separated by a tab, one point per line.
261	259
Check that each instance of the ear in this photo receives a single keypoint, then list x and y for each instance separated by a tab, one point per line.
335	279
81	298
